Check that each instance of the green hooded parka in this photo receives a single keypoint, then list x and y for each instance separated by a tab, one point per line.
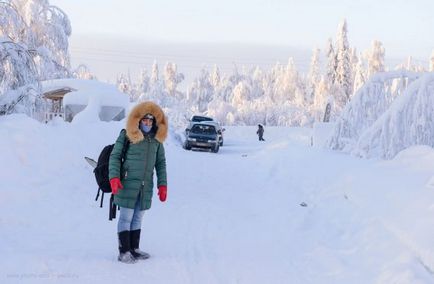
145	153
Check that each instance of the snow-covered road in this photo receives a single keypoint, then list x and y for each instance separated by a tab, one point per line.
231	217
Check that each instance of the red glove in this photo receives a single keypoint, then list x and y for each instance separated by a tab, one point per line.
116	185
162	192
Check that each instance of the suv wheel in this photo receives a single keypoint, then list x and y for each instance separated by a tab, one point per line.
187	146
216	148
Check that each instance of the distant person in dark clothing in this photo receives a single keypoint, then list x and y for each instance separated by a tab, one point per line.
260	132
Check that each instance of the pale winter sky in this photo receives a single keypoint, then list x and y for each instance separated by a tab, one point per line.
404	27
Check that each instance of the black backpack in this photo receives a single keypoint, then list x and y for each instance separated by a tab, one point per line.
101	172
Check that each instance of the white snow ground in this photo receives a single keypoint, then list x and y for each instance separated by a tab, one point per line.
231	217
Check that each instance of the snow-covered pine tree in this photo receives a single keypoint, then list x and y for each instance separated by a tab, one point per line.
144	85
172	78
241	102
375	58
215	78
320	100
359	76
343	70
331	62
124	84
330	82
154	73
201	91
313	77
288	86
156	86
256	78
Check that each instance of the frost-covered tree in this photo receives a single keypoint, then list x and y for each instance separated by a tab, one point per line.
335	104
331	62
201	91
12	24
228	83
154	73
343	69
288	87
256	79
354	61
18	78
410	65
241	94
144	81
313	77
38	25
408	122
172	78
359	76
83	72
47	32
368	104
156	85
215	78
241	102
320	100
375	58
124	83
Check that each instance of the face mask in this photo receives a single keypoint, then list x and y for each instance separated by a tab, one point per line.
145	128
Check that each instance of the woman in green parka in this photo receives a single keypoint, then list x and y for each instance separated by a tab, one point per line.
133	183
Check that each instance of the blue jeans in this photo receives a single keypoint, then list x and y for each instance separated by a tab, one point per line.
130	219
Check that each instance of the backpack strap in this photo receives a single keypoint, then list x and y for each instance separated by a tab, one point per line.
124	149
112	208
102	196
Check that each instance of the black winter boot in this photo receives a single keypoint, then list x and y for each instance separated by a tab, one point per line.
125	255
135	241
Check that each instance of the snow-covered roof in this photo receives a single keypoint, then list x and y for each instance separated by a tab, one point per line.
106	94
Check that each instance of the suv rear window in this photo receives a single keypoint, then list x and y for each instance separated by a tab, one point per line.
203	129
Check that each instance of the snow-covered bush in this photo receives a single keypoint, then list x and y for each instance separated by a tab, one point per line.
409	121
368	104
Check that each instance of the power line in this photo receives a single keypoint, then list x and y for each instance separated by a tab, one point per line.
152	56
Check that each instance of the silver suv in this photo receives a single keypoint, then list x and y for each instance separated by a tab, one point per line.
206	119
202	135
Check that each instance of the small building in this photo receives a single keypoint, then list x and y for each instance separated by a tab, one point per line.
54	99
96	100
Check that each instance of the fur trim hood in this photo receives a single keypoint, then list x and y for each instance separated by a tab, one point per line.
133	132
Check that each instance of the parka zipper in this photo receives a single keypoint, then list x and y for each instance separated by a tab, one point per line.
144	172
146	157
